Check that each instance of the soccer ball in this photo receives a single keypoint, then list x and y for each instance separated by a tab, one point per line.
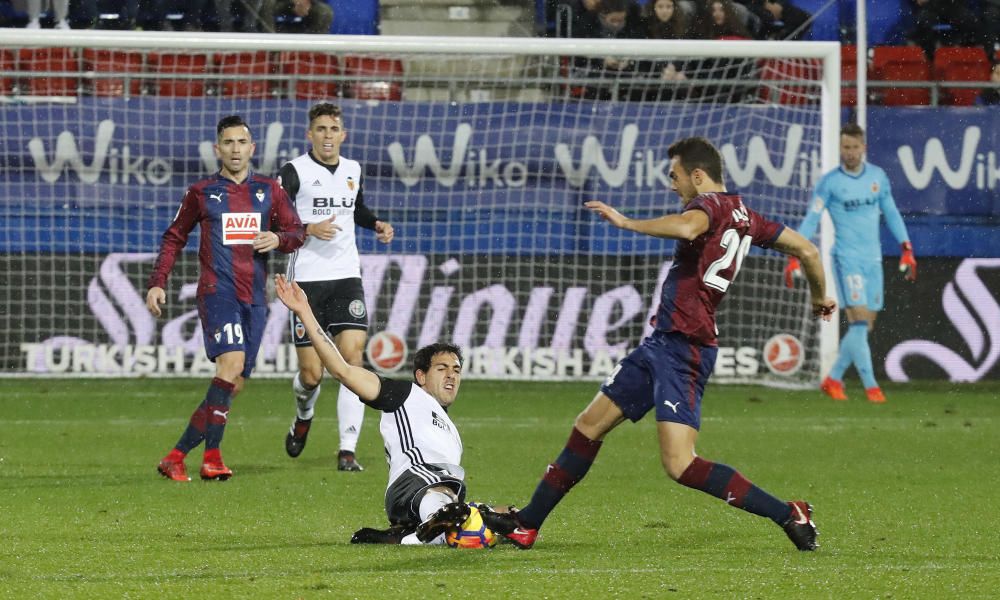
473	533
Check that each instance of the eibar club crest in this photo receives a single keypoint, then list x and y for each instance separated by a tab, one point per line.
260	195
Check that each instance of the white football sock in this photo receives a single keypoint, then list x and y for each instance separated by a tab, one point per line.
431	502
411	540
305	398
350	414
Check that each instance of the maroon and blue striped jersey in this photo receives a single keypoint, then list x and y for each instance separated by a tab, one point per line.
704	268
230	214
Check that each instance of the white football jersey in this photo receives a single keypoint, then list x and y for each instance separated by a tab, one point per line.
420	432
323	194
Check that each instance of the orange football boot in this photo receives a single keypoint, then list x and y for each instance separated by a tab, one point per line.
834	389
172	469
875	395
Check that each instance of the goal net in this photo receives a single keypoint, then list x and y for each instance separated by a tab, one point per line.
479	151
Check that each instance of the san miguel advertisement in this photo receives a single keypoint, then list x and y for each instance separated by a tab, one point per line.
567	324
946	325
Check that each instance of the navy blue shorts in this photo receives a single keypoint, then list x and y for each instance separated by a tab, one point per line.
667	371
229	325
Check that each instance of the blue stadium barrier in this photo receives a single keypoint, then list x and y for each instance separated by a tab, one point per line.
355	17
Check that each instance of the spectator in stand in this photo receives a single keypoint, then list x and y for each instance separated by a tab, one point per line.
582	18
617	19
296	16
991	19
721	20
945	23
991	96
60	8
785	21
665	20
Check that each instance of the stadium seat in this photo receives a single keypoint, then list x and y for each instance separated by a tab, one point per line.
775	72
848	72
901	63
114	61
179	63
51	60
954	63
245	66
311	64
380	78
7	65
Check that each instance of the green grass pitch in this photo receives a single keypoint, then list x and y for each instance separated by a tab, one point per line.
906	498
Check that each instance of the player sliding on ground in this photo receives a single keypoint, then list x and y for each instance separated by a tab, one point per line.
669	369
426	490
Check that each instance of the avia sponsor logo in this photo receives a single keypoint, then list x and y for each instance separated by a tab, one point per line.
975	315
386	351
935	161
239	228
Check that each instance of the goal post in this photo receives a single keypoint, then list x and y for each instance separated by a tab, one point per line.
479	151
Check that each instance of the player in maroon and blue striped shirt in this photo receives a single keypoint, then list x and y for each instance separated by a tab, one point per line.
243	217
669	369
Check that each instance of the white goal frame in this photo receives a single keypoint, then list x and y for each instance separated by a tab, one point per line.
827	53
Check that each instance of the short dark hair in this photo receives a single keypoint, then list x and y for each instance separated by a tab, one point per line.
230	121
324	109
612	6
698	153
853	130
422	359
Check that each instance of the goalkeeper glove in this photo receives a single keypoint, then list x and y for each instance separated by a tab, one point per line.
907	263
792	269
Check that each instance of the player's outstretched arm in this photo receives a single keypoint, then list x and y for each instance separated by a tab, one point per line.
361	381
792	243
686	226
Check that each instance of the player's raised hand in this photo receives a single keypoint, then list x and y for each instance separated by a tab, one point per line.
907	262
265	241
384	232
824	308
606	212
325	229
792	270
290	294
154	298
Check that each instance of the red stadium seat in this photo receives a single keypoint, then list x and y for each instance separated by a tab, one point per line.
848	72
62	61
114	61
178	64
380	78
311	64
775	73
901	63
245	65
955	63
7	64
